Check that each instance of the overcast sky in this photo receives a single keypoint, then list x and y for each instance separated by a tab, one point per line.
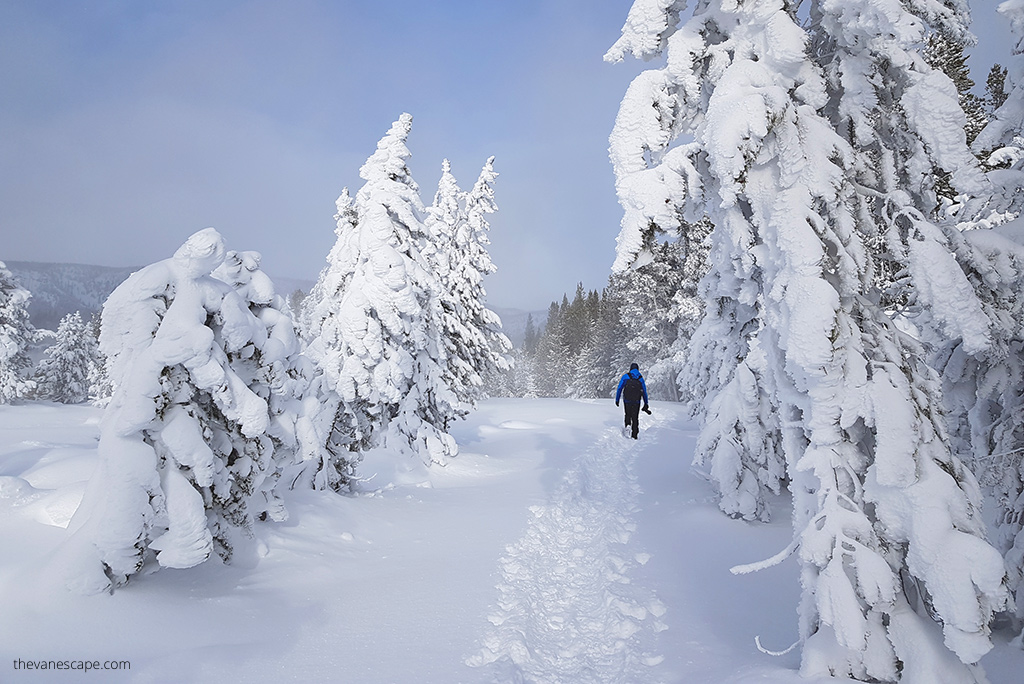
127	125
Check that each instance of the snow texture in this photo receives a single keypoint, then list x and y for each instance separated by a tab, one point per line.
568	610
377	572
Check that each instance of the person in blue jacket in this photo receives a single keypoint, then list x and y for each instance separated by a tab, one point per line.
632	389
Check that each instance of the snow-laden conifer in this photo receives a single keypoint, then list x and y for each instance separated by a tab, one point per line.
64	374
553	363
456	229
342	434
278	373
984	387
101	389
16	334
185	454
813	174
484	346
1002	140
374	318
650	314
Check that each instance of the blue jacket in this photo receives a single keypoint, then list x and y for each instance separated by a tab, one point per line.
622	383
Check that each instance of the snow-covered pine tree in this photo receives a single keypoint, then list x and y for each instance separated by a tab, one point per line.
985	399
600	363
1002	140
343	434
886	519
16	334
945	53
487	347
100	387
276	371
457	253
650	314
995	88
530	336
374	319
553	363
654	180
64	375
184	450
985	388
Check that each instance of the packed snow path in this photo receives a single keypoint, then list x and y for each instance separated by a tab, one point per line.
547	501
567	609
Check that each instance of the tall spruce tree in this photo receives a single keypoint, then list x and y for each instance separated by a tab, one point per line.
1002	141
64	375
985	387
375	322
445	219
813	156
946	54
16	334
473	338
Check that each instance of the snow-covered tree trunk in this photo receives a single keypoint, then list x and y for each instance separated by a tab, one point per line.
16	334
186	459
795	350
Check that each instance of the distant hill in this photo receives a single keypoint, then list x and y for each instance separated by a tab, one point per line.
59	289
513	322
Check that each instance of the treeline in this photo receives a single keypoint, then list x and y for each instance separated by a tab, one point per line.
644	315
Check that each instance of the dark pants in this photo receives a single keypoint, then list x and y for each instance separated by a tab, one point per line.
632	416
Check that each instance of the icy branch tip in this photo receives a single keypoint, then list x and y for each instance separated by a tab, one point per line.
762	649
767	563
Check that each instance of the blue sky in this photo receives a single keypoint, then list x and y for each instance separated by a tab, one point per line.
126	125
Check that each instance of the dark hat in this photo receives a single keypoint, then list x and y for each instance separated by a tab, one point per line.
634	367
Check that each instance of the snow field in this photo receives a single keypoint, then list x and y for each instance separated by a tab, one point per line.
567	608
582	545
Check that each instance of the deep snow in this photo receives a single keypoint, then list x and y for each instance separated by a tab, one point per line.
552	549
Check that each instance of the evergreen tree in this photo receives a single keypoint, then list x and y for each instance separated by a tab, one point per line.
552	370
375	323
995	88
813	156
650	314
16	334
100	387
577	322
343	434
530	336
186	460
275	371
64	374
473	338
985	386
444	220
946	53
598	365
1002	140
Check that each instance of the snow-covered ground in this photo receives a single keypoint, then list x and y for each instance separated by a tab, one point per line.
552	549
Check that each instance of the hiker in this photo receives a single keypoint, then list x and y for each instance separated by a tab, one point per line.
632	389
